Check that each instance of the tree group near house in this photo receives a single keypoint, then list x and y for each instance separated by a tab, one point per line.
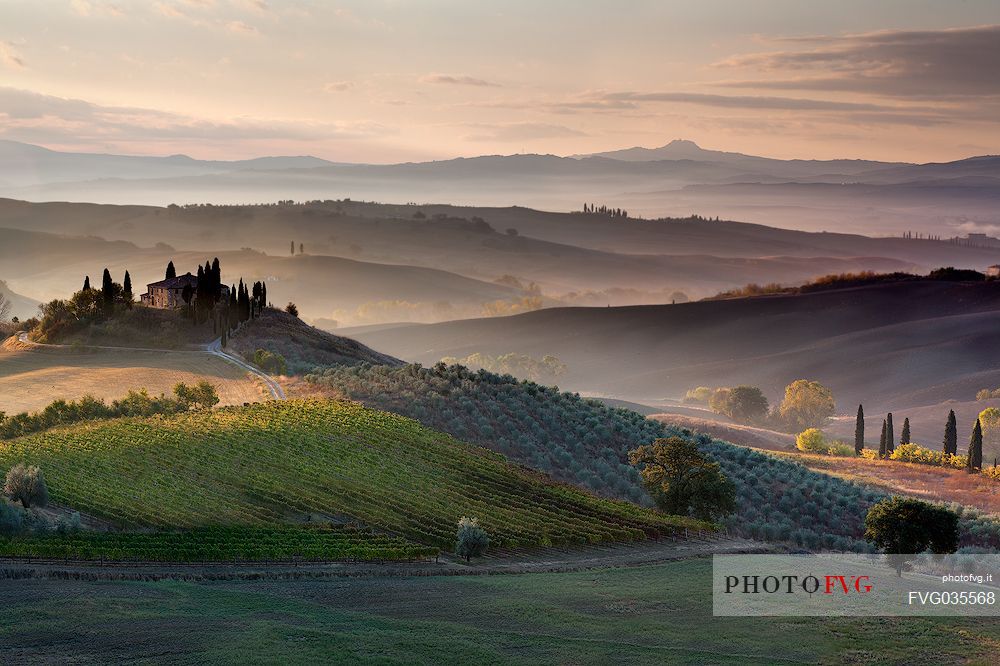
682	481
902	528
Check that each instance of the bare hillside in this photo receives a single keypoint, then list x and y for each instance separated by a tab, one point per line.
892	345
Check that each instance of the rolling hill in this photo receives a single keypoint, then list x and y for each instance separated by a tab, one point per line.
284	463
889	346
584	442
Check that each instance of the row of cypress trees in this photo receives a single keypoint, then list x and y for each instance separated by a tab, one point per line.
950	444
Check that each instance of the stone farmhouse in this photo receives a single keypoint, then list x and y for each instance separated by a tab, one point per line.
169	293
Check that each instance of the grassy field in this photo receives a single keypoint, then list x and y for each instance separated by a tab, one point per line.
281	462
643	615
30	378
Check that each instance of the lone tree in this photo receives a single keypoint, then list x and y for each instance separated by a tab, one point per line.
881	442
976	448
746	404
682	481
904	436
890	443
807	404
951	435
471	540
904	527
292	309
859	431
26	485
171	271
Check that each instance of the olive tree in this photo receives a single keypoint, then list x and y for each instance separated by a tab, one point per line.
471	540
26	485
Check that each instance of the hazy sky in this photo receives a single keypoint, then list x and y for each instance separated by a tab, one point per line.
393	80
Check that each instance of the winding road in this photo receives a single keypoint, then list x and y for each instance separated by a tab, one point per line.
214	348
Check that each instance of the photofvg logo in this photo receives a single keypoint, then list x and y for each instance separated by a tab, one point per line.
853	585
789	584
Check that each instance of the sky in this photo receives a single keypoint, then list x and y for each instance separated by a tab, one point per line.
397	80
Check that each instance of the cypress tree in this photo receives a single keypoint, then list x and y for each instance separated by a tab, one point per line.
86	283
904	437
951	435
216	280
890	444
171	272
263	294
293	248
976	448
859	432
108	292
881	443
127	290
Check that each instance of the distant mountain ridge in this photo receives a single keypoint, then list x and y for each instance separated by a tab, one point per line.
960	196
24	164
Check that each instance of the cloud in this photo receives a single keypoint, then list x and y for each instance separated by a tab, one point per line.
9	57
923	64
457	80
257	6
338	86
241	28
45	119
525	131
168	10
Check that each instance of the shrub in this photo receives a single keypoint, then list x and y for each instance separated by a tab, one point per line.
915	453
292	309
26	485
271	362
839	448
812	441
870	454
992	472
200	396
701	394
11	518
471	540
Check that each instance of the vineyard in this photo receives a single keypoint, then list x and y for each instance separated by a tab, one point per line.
271	464
220	544
584	442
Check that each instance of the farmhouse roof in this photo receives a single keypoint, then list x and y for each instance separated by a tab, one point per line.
178	282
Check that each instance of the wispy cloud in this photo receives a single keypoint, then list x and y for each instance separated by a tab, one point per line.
338	86
38	118
9	57
241	28
449	79
923	64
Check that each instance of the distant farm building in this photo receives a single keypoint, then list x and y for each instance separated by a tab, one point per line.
169	293
993	271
